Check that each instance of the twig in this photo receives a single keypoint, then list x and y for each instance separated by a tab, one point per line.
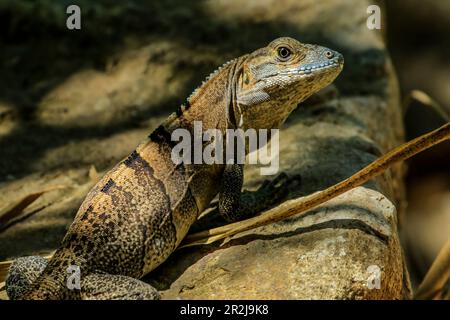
437	275
296	206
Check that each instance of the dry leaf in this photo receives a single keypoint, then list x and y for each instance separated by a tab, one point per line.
15	209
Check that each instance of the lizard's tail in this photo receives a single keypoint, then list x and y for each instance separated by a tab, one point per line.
60	280
38	279
93	286
22	274
33	278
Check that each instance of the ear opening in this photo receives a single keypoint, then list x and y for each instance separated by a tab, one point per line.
233	111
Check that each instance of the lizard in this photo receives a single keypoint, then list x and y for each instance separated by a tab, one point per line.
138	213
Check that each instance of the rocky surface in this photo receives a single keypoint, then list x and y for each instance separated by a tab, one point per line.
333	252
95	116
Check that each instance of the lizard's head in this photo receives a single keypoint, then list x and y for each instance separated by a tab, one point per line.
274	79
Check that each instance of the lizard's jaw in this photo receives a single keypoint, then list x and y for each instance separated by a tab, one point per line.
332	66
312	77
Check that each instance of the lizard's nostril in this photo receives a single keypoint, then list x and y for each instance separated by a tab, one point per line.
329	54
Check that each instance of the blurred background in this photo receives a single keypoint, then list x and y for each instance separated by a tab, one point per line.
418	34
44	74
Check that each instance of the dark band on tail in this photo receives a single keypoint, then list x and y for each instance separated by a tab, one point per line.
108	186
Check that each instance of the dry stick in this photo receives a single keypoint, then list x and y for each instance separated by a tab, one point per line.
296	206
437	275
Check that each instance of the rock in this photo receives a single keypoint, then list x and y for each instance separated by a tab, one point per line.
334	252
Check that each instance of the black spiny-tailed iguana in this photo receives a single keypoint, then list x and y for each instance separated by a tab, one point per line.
139	212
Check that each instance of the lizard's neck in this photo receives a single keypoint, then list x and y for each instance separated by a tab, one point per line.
213	103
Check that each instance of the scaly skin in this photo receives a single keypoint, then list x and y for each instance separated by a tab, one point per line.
136	216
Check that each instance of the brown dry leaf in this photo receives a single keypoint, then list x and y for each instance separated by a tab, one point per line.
15	209
3	295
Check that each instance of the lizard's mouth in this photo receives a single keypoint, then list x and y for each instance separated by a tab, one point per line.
306	69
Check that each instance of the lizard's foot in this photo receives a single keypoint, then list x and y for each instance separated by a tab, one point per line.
268	194
22	274
102	286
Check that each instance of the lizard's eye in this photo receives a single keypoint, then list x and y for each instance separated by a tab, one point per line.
284	53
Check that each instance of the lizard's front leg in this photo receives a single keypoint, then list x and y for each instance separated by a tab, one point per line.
235	205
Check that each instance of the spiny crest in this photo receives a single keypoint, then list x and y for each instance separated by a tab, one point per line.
179	111
210	76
